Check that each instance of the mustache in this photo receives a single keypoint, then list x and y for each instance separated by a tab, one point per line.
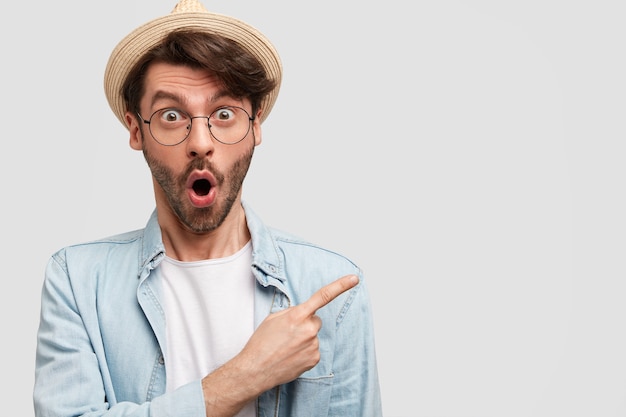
201	165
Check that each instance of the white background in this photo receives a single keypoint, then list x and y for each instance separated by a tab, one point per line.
469	155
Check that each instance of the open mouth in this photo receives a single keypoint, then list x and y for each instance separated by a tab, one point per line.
201	187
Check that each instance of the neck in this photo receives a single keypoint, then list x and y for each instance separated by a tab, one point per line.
184	245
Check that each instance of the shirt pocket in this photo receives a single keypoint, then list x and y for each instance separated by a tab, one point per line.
307	396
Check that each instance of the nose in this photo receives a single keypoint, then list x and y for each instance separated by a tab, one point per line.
200	142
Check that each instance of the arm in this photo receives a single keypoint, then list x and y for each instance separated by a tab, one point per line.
72	375
75	374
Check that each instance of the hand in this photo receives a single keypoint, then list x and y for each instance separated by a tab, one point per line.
283	347
285	344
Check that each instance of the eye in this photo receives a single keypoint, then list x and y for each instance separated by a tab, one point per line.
224	114
171	116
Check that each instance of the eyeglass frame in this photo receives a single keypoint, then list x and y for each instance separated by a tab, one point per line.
149	121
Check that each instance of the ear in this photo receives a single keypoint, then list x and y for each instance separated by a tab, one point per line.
136	139
256	129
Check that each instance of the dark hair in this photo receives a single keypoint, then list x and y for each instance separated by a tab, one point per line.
241	74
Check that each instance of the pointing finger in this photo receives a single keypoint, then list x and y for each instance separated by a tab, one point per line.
329	292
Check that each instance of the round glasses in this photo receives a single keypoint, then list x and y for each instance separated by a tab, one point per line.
170	126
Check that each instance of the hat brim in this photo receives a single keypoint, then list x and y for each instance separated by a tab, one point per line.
130	49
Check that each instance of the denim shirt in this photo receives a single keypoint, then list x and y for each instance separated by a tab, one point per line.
102	331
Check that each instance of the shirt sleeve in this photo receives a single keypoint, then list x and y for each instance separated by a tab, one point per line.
71	372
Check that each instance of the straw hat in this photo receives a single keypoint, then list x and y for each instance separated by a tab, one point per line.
187	14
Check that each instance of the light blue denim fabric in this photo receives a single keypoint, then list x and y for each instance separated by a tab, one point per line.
102	331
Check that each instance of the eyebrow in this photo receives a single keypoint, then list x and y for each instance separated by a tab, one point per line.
166	95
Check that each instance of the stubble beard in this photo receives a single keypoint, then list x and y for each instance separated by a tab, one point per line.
203	219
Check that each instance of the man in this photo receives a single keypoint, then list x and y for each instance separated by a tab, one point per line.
205	311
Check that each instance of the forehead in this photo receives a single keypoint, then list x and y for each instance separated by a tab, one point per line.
198	91
180	82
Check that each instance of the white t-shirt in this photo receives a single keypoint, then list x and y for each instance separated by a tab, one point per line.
209	314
